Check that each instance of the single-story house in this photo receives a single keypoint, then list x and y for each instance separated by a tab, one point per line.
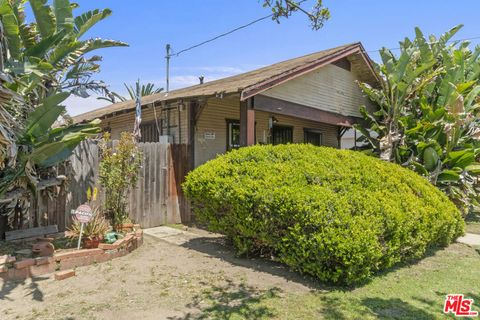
310	99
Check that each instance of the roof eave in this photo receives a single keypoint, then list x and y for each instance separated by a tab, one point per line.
260	87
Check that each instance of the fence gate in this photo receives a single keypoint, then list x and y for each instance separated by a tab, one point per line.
152	202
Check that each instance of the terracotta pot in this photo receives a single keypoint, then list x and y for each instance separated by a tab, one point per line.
91	243
44	247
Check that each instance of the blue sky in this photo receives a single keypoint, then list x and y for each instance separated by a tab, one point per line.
148	25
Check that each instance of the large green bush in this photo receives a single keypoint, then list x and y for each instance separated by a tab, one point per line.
337	215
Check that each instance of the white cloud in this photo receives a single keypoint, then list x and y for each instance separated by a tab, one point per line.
76	105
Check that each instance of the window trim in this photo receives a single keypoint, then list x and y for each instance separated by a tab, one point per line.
230	122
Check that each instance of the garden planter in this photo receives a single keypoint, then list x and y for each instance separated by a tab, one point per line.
124	227
91	243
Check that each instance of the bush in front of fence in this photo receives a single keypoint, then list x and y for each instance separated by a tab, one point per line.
338	215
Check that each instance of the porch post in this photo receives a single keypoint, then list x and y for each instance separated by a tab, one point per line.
247	123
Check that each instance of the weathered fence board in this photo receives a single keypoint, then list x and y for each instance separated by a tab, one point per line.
157	198
147	201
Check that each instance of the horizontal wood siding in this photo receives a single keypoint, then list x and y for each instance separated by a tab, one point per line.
329	132
330	88
212	120
178	130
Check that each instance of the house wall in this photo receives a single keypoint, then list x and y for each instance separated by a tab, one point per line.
330	88
178	130
212	122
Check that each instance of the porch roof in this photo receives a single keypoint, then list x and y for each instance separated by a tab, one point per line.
253	82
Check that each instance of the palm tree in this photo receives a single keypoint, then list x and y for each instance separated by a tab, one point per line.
144	89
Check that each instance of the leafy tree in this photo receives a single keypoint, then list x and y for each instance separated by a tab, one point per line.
428	113
42	63
285	8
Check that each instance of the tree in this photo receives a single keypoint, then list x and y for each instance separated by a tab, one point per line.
285	8
428	113
43	63
144	90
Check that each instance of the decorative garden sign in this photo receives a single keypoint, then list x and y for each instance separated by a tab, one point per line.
83	214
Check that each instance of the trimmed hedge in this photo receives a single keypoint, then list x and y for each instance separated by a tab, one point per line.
335	214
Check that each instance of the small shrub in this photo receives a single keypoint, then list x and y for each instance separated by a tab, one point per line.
335	214
118	174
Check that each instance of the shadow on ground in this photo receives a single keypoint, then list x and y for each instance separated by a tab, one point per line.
237	301
33	288
217	248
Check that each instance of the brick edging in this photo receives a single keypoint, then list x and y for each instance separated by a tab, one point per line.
10	269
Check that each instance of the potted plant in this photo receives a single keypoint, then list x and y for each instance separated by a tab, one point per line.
118	174
93	231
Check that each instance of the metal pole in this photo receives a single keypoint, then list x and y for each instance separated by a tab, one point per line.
168	67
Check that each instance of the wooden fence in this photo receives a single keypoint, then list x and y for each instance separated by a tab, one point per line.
156	200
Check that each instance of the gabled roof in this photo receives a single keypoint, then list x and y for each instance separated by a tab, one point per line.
253	82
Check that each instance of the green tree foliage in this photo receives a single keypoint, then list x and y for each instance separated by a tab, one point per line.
118	174
335	214
428	113
42	63
285	8
143	89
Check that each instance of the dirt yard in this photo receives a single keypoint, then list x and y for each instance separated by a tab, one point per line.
196	276
160	280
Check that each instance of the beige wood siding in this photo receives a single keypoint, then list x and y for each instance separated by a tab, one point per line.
213	120
330	88
124	122
329	132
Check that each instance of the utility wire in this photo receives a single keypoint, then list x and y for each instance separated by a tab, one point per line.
221	35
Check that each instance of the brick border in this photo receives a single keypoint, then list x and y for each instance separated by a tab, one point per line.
10	269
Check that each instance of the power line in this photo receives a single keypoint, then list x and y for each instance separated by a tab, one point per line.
221	35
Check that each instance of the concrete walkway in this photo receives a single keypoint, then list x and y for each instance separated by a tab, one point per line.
470	239
178	236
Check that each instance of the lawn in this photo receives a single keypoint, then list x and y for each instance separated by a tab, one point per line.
473	223
412	292
202	279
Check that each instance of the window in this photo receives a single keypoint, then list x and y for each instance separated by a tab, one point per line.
149	132
314	137
233	134
282	134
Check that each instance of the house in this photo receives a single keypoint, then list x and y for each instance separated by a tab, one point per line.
311	99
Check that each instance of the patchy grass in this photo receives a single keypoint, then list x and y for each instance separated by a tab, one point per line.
473	227
412	292
166	281
473	223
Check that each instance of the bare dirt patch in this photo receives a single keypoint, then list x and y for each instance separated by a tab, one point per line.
157	281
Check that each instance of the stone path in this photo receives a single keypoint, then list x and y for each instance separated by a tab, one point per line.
470	239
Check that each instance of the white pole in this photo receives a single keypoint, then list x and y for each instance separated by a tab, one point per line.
80	237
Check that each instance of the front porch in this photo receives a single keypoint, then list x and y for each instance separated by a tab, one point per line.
227	123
